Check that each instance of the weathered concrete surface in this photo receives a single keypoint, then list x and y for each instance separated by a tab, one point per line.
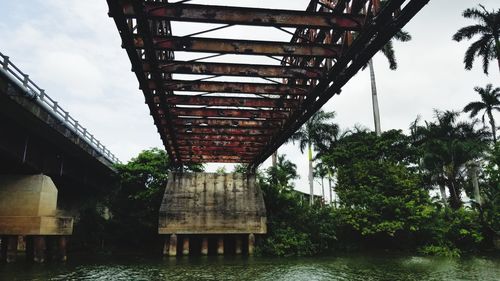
27	195
28	207
210	203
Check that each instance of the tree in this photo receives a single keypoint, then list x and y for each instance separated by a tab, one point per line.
488	45
317	132
388	51
142	183
321	171
446	146
490	101
282	174
382	199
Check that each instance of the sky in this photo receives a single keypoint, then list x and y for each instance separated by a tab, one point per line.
72	49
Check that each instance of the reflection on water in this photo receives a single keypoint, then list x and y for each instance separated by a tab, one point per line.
351	267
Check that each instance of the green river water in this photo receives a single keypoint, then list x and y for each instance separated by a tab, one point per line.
366	267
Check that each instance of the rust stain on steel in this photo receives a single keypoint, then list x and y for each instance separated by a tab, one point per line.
233	113
249	16
184	136
227	69
230	87
228	46
220	143
228	131
217	148
215	123
231	101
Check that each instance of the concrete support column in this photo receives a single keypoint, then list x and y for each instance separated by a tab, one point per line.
185	246
220	246
61	248
172	251
204	246
166	245
39	247
239	245
9	248
251	244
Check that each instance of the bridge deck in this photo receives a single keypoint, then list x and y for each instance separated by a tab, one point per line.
207	121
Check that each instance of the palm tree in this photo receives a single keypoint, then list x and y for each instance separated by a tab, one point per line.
447	145
488	45
388	51
321	171
490	101
283	173
317	132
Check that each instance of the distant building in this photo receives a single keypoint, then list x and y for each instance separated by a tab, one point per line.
304	197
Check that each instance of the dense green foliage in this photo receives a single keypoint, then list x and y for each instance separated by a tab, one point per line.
385	202
130	219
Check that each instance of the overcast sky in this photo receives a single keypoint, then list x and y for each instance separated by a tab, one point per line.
72	49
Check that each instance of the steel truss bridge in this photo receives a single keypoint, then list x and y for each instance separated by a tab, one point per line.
245	122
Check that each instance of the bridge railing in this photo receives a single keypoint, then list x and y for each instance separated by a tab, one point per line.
37	94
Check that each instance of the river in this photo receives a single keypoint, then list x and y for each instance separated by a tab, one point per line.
390	267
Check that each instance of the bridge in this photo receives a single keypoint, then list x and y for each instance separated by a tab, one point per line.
42	146
202	120
211	116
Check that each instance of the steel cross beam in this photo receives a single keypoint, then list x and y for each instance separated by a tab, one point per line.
237	121
232	101
245	47
247	16
230	69
229	87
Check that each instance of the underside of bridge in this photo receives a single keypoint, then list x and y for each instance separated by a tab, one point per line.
242	112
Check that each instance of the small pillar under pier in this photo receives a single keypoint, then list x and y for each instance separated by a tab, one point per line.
204	246
9	248
185	246
62	242
239	245
251	244
172	249
39	248
220	246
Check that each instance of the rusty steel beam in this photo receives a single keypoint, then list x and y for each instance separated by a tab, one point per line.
190	137
215	160
248	16
217	148
229	113
229	144
247	47
212	155
218	153
229	87
215	123
227	131
228	69
231	101
216	157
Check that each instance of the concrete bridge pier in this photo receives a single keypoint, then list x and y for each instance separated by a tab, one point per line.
28	214
215	212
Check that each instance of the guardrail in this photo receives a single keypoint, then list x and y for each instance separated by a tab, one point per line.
39	95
